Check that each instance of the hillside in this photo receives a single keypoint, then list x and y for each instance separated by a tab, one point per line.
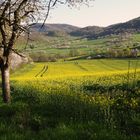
92	32
132	26
87	31
54	27
55	41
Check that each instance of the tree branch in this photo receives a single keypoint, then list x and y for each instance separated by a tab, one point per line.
16	52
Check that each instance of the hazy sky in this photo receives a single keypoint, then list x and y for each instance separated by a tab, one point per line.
101	13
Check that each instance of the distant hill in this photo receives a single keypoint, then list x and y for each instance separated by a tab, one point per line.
54	27
132	26
87	31
91	32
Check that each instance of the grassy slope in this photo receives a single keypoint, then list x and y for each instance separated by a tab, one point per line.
62	45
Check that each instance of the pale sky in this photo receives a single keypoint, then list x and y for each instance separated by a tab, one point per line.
101	13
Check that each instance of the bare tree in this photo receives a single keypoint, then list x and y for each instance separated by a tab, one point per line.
16	17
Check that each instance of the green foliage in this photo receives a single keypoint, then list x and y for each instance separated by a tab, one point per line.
89	105
62	113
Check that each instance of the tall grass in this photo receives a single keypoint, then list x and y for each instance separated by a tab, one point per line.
88	107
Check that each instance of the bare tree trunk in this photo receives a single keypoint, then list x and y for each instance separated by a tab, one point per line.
5	84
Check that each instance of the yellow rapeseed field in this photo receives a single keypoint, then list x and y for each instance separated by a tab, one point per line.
76	69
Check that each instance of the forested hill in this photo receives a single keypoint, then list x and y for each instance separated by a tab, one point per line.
88	31
54	27
91	32
132	26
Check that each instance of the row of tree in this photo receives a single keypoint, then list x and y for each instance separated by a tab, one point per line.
134	52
